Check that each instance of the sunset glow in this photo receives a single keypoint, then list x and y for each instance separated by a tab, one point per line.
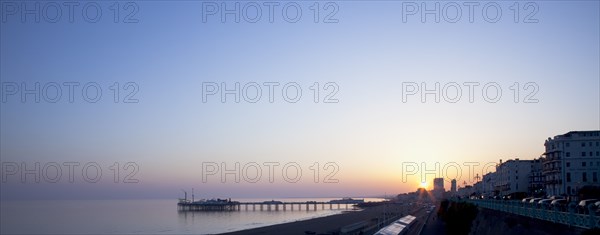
319	117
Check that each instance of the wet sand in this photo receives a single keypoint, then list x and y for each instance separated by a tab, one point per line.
328	224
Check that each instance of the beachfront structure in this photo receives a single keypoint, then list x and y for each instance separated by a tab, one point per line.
453	186
466	191
536	178
438	184
487	184
571	161
512	176
438	188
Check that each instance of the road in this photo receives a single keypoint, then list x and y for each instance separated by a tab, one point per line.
434	225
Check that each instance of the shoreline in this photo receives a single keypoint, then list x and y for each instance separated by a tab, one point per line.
326	224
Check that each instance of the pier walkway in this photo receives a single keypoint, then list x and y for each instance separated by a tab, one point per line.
228	205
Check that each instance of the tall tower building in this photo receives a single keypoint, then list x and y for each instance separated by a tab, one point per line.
438	184
453	186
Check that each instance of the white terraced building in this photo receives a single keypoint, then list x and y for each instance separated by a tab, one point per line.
512	176
571	161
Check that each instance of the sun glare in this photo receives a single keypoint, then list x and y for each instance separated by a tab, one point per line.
423	184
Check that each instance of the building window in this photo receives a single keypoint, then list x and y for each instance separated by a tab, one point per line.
568	164
584	176
582	144
583	164
568	177
591	154
597	144
583	154
595	177
568	154
567	144
597	153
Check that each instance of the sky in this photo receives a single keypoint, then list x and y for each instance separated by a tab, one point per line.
160	124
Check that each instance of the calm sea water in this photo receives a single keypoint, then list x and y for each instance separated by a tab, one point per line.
139	217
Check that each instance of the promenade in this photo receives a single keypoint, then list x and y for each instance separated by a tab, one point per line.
570	218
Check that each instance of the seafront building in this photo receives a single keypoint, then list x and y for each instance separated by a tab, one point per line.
571	161
512	176
536	178
487	184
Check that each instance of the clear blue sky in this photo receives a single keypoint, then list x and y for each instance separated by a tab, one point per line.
369	54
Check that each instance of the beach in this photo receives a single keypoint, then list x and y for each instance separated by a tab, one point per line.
330	224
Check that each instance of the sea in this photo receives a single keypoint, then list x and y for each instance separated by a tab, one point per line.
143	217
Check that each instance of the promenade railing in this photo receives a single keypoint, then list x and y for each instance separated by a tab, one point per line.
588	219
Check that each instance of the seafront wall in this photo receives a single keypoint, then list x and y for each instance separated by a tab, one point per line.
494	222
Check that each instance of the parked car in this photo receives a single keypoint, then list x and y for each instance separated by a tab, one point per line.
535	200
526	199
544	203
517	196
583	204
561	204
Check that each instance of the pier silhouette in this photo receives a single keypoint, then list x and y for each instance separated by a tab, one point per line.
228	205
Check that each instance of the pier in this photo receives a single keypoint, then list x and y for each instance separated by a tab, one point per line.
228	205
